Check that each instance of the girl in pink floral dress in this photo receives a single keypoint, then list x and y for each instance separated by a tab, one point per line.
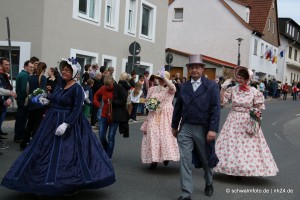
159	144
242	151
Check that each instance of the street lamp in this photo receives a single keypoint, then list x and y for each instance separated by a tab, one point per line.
239	55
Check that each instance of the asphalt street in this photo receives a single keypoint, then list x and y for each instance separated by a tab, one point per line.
281	127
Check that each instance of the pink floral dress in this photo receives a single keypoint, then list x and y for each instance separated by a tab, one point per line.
158	144
240	153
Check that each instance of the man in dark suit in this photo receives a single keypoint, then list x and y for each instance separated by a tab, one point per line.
197	109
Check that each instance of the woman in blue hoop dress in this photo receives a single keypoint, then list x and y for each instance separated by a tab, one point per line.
65	155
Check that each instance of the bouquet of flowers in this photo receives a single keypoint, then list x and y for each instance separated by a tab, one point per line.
152	104
38	96
255	121
256	114
37	92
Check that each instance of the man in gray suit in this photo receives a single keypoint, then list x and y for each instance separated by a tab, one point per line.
198	111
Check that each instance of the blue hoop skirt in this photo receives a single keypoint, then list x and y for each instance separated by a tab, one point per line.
56	165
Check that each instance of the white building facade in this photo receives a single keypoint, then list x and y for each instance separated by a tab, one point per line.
212	28
94	31
289	62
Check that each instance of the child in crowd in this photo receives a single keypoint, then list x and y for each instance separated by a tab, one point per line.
135	100
141	106
88	99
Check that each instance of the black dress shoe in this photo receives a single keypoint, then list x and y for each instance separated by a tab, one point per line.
183	198
166	162
209	190
153	165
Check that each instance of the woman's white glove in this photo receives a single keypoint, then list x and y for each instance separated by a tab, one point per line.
61	129
226	83
44	101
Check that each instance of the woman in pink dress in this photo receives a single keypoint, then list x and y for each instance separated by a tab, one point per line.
158	144
242	150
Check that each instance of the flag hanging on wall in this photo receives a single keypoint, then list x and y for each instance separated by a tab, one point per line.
281	54
274	60
268	54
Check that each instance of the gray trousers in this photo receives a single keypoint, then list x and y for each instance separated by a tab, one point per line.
189	136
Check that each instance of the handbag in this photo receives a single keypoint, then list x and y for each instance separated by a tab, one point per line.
109	112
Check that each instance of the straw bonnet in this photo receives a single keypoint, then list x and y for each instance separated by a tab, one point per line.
238	68
167	75
195	59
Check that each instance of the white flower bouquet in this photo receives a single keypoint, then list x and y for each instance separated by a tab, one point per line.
152	104
37	96
37	92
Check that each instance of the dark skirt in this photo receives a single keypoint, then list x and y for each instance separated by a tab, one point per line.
56	165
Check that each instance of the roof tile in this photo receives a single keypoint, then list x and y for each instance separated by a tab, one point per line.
259	12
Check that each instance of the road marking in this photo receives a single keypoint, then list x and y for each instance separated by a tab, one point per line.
297	114
274	123
279	137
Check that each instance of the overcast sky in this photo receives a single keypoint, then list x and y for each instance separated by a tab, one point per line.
290	9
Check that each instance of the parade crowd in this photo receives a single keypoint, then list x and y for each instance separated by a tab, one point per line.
56	115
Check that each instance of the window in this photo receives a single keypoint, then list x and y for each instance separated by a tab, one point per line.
108	12
87	10
293	32
15	58
262	50
83	58
109	61
273	28
287	28
290	52
148	21
20	53
130	20
112	14
290	31
291	78
255	46
131	17
295	55
269	24
145	21
178	14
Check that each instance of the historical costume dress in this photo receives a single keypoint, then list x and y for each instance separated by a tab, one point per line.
159	144
241	152
55	165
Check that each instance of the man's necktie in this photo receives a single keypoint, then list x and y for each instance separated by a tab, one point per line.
195	85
